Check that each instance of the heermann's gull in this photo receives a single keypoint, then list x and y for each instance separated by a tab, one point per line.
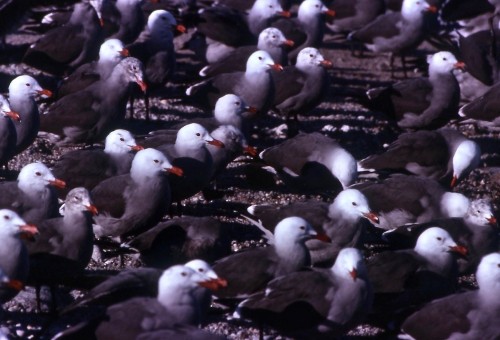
404	279
63	247
344	226
131	20
155	48
270	40
470	315
477	231
31	196
249	271
133	202
89	115
182	239
191	155
353	15
22	91
110	54
319	164
226	28
136	282
176	304
421	103
302	87
254	85
69	46
88	167
445	155
13	255
403	199
396	32
315	304
308	28
8	135
484	108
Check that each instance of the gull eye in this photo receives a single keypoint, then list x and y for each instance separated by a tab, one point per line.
198	134
122	139
445	59
302	227
156	161
274	37
237	103
6	217
77	198
439	238
311	55
354	204
270	6
317	6
28	84
201	270
260	58
479	211
184	274
38	173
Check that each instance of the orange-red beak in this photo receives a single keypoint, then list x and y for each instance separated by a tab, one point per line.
326	63
460	250
58	183
492	220
432	9
216	143
330	13
354	274
176	171
181	28
276	67
13	115
454	181
459	65
286	14
45	93
28	231
137	147
288	42
124	52
372	217
142	85
250	150
93	209
323	237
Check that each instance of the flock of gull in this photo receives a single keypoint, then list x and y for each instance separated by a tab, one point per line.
386	244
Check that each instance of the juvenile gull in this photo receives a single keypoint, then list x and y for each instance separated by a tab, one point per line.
134	202
476	230
22	91
32	195
469	315
322	303
110	54
445	155
88	167
89	115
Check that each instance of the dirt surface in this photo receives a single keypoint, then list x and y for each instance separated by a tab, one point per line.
340	116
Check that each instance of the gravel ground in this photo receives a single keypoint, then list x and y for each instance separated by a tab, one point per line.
341	117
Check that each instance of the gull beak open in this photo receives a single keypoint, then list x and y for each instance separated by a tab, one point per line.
28	231
372	217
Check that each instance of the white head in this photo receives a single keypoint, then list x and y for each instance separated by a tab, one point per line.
151	162
12	225
112	50
26	86
311	9
465	159
488	278
454	204
412	10
311	57
195	136
35	177
202	268
161	23
349	264
436	245
443	62
266	8
229	110
290	232
119	142
351	204
261	61
272	36
480	213
176	286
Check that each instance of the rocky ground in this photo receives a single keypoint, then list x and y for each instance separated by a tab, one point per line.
341	117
